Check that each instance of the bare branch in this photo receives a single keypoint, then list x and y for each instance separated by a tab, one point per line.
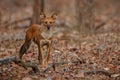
20	63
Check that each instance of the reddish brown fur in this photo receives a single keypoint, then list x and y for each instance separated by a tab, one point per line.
34	34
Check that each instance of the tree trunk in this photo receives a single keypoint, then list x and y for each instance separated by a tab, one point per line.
84	16
38	7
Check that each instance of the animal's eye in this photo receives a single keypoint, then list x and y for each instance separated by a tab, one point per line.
51	22
45	22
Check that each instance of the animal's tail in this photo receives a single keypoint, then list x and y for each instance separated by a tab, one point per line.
23	49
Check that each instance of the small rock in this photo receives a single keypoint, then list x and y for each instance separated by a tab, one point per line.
107	69
115	75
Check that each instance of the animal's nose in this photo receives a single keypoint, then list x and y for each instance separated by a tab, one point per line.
48	27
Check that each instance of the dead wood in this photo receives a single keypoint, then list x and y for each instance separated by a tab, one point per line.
53	65
17	61
100	25
34	67
31	65
97	72
106	21
6	23
7	60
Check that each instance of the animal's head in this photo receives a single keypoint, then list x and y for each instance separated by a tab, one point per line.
48	21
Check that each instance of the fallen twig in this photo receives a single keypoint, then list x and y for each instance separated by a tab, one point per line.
97	72
5	24
52	65
7	60
100	25
19	62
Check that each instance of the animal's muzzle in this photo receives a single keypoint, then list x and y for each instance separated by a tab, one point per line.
48	27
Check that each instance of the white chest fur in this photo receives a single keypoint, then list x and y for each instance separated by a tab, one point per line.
47	34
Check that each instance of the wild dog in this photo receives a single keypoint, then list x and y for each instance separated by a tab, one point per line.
41	35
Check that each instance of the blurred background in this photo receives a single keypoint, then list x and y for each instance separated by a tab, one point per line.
86	16
82	25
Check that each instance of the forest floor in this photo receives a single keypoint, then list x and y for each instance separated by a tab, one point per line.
97	59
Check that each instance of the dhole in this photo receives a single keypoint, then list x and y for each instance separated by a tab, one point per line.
40	35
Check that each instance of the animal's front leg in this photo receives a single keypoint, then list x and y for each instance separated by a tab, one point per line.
48	52
40	56
42	53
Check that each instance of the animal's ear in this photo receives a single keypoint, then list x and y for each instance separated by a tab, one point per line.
54	15
42	15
